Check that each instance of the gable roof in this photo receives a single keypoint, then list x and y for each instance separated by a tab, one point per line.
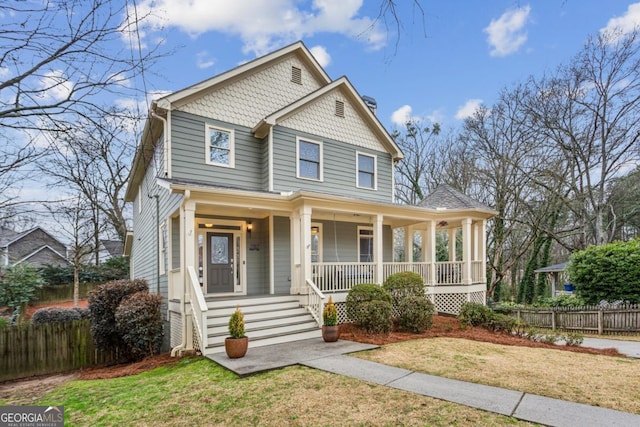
41	249
8	237
556	268
196	89
262	128
114	247
447	197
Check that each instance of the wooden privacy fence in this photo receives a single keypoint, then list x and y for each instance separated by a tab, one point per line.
47	349
620	320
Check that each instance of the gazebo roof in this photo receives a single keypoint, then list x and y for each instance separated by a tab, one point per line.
447	197
556	268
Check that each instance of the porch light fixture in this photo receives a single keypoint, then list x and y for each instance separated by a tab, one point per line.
208	225
315	229
443	223
249	228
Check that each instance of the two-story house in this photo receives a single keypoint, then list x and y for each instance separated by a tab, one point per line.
270	186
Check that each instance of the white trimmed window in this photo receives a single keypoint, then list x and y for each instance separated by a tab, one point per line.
365	244
367	168
220	146
309	164
316	242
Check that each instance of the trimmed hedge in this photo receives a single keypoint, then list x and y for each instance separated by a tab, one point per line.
415	314
55	315
139	322
369	307
607	272
474	314
404	284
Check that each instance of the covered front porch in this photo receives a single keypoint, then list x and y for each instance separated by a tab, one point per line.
234	246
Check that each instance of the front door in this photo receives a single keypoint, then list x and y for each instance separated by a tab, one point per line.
220	274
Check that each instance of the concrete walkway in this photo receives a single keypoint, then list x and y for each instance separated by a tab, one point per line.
331	357
628	348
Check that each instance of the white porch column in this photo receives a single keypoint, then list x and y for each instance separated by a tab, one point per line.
294	220
482	249
408	243
476	241
378	254
305	243
466	251
429	254
452	244
189	250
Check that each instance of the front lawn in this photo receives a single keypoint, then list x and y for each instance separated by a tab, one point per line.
610	382
196	392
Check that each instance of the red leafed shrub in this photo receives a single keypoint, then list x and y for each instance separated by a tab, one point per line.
139	322
103	303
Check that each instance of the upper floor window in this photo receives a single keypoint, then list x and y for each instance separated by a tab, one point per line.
220	146
309	160
365	244
366	171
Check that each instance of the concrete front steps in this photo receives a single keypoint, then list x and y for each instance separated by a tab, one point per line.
268	320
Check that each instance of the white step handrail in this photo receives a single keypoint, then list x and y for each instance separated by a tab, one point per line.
315	301
198	307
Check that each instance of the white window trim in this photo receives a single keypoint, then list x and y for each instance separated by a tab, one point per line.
320	243
162	244
207	146
373	240
321	166
375	170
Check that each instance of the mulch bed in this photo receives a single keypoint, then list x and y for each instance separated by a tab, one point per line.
125	369
445	326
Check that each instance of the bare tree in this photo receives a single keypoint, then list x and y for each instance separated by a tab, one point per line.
94	160
589	113
74	217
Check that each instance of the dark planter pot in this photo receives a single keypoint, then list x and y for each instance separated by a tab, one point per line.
330	333
236	347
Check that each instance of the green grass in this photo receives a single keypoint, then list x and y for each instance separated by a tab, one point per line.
199	392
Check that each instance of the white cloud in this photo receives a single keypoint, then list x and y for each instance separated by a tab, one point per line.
264	25
506	34
436	116
403	115
4	72
468	108
624	24
321	55
55	86
203	60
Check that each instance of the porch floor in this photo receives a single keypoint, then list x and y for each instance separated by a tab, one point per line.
278	356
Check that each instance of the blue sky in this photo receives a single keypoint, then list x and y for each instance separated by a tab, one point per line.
460	53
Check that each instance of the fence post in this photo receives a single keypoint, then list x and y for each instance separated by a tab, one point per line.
518	315
553	320
600	321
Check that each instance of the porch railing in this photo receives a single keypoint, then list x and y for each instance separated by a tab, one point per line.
421	268
315	301
198	307
342	276
449	273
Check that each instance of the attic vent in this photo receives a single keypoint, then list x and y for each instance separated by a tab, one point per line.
339	108
296	75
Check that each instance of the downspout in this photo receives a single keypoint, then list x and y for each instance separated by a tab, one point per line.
183	341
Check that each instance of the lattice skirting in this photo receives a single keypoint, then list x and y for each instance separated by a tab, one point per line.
478	297
342	312
449	303
196	340
175	325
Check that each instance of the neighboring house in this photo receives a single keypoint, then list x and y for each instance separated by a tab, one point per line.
558	277
35	246
270	186
110	249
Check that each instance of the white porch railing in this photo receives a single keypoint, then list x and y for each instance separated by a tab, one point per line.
449	273
315	301
476	272
342	276
198	307
421	268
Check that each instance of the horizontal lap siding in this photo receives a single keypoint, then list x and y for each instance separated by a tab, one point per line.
257	258
339	167
188	151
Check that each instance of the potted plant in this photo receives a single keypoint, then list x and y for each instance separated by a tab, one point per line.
236	345
330	328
